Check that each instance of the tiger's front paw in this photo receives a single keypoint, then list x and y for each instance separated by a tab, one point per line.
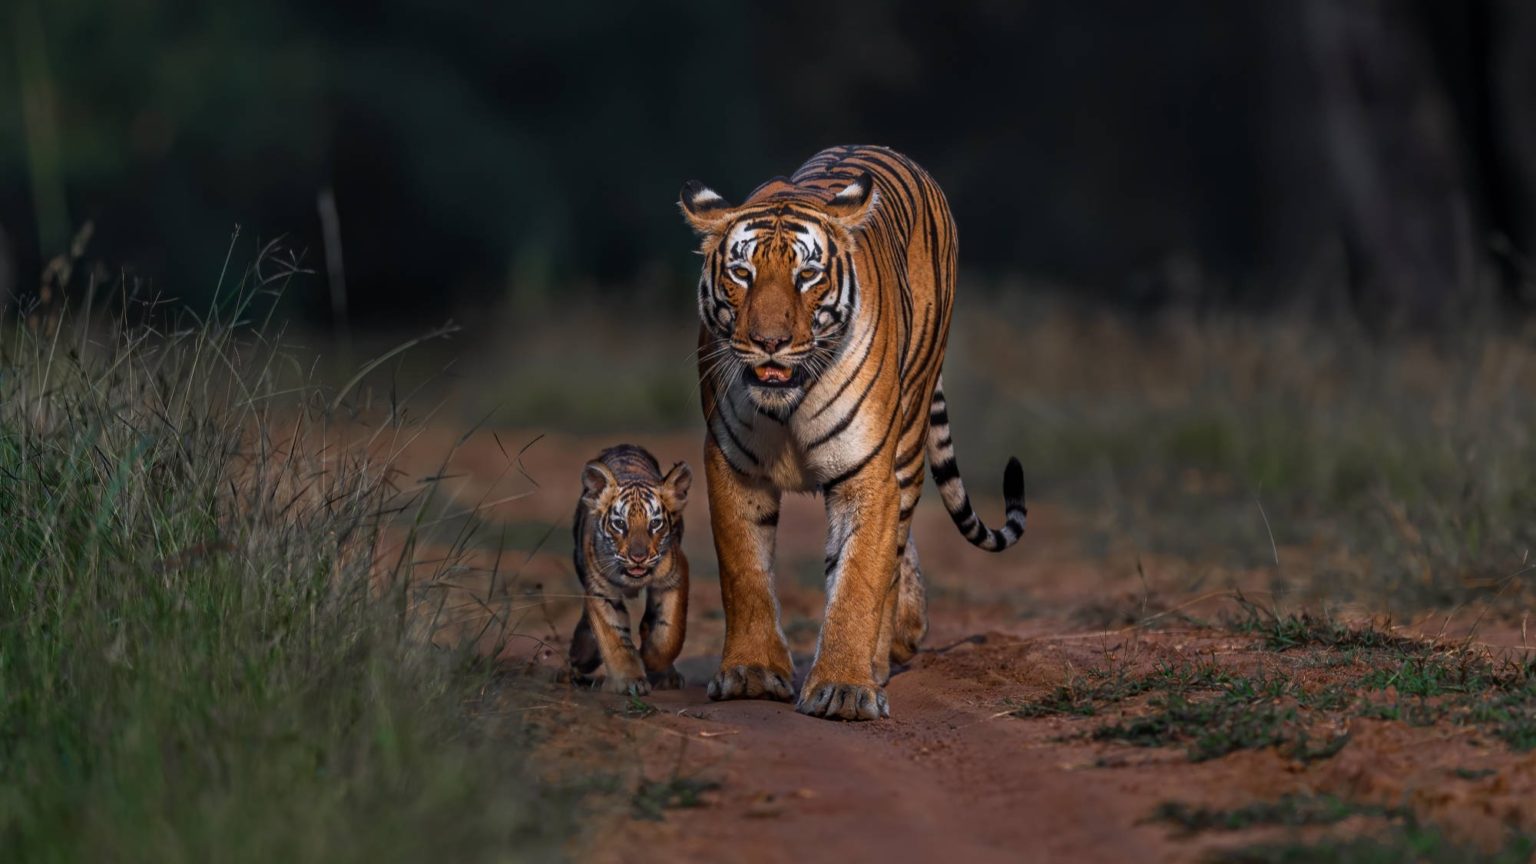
666	679
626	686
750	682
836	701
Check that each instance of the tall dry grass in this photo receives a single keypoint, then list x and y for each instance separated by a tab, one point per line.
205	648
1394	470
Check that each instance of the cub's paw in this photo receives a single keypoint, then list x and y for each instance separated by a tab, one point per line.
836	701
750	682
666	679
626	686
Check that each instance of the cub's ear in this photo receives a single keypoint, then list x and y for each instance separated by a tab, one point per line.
703	207
854	203
595	478
674	487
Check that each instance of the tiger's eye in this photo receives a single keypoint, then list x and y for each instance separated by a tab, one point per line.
741	273
809	274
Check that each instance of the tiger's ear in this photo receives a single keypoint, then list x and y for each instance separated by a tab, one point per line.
703	207
854	203
674	487
596	479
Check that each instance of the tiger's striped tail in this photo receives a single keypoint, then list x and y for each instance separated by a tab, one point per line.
946	473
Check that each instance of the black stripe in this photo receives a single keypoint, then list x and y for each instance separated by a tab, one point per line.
830	486
852	412
964	514
715	439
868	347
895	173
945	471
720	420
768	520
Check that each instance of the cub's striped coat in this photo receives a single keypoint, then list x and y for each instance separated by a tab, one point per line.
629	536
825	304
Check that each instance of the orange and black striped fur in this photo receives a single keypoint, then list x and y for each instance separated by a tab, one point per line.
629	536
825	303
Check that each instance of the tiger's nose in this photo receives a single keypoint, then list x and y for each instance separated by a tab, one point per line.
769	342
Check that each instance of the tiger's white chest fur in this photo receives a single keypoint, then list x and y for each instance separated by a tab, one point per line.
830	431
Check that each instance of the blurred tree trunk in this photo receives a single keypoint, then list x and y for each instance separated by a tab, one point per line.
1513	72
1390	140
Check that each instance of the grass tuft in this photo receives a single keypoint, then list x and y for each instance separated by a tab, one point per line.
1288	810
654	797
207	649
1408	842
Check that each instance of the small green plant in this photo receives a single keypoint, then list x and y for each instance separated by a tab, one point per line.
636	708
654	797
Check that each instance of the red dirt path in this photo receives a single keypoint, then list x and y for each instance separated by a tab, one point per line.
951	775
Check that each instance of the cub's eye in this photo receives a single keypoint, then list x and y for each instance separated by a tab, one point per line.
741	273
655	523
809	274
618	522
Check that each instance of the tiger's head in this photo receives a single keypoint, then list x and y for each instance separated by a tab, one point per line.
633	522
778	289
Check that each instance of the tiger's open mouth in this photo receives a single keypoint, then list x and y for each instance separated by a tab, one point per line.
773	375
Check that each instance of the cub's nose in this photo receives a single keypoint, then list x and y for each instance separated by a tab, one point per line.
769	342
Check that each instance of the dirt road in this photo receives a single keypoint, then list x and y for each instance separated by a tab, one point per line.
955	774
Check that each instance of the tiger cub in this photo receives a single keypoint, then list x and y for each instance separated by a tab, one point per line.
629	536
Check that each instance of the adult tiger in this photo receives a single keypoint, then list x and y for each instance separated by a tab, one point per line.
825	303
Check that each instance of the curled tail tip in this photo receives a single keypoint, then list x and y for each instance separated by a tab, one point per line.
1013	482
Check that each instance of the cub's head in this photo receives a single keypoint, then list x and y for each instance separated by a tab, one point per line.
778	289
633	521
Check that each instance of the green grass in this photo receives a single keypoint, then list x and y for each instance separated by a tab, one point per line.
1288	810
654	797
1304	630
1410	842
1212	711
1208	709
636	709
1240	715
193	665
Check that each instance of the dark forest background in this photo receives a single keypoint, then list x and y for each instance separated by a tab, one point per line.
1377	158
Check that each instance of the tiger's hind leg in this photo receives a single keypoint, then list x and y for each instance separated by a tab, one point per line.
910	616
